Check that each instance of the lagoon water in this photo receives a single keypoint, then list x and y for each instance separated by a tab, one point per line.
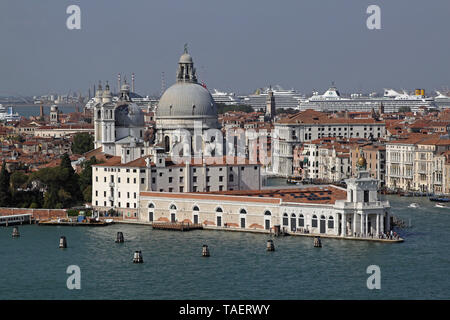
33	267
33	110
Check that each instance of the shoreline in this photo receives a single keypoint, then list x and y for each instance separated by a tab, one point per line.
295	234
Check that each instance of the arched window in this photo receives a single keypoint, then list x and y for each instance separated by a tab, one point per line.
193	109
314	221
322	217
195	208
173	207
330	222
301	220
151	205
285	219
293	215
243	211
219	210
267	213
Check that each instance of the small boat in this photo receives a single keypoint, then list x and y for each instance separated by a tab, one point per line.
440	205
413	205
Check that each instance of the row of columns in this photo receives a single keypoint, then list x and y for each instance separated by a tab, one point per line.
364	224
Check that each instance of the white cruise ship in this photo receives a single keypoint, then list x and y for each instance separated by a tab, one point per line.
442	100
8	114
284	99
229	99
392	101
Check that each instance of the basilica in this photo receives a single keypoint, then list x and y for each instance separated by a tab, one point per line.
185	106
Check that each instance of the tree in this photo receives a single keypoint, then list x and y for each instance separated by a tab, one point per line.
5	194
18	180
82	143
87	194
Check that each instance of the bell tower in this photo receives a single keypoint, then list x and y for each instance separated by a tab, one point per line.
270	105
98	117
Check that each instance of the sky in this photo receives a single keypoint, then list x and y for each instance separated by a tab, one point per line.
237	45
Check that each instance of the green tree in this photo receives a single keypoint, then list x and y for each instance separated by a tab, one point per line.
86	174
82	143
18	180
5	194
87	194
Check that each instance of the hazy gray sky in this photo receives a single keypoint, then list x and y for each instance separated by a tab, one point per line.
237	45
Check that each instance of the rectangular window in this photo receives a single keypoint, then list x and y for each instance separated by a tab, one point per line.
142	180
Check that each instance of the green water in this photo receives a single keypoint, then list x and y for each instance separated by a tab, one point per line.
33	267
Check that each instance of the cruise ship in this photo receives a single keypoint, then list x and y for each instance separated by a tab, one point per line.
8	114
442	100
229	99
284	99
392	101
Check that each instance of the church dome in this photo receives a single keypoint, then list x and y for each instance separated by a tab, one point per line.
186	100
129	115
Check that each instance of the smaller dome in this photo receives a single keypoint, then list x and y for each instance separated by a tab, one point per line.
185	58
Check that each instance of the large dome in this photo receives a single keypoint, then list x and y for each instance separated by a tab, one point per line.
129	115
186	100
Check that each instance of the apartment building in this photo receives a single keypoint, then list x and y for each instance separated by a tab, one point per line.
310	125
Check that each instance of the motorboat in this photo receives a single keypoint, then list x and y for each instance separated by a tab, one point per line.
413	205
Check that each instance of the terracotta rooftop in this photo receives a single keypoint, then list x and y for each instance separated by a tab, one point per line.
310	116
313	195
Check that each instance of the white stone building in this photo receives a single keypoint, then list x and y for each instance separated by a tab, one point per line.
329	210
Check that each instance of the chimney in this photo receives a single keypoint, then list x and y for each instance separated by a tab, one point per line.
132	82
